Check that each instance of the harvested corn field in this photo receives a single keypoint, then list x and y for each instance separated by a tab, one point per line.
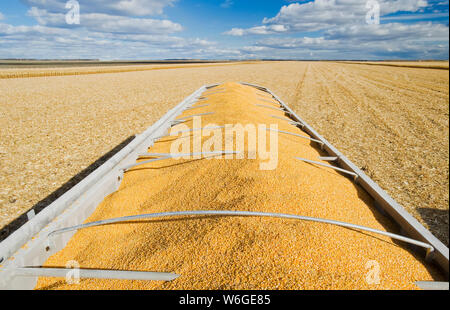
408	64
219	252
393	122
46	72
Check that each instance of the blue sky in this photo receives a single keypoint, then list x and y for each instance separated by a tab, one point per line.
225	29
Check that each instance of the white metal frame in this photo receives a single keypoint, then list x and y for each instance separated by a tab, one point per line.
28	272
295	134
124	219
327	166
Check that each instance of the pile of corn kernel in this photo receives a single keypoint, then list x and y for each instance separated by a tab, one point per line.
241	252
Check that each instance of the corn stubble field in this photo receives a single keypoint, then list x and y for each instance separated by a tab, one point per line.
390	120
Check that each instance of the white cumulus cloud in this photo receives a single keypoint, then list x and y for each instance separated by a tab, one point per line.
395	41
50	42
107	23
113	29
323	14
270	29
114	7
337	29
